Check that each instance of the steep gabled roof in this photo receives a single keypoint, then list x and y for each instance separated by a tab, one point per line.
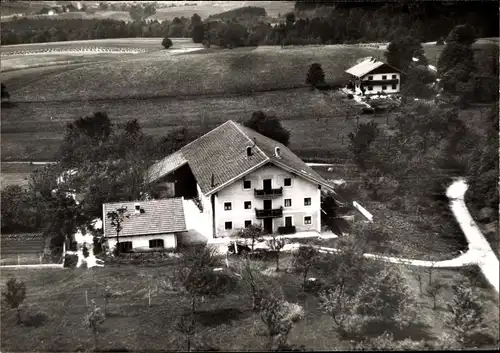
219	158
159	217
366	66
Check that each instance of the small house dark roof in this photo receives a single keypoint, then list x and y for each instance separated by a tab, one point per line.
156	217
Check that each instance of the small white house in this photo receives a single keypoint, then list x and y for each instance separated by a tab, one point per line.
147	226
372	76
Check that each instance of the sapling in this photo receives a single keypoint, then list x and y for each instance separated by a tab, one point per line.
15	295
93	320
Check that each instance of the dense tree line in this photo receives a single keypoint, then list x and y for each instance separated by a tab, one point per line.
248	26
43	30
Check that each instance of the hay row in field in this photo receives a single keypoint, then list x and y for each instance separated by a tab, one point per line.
87	50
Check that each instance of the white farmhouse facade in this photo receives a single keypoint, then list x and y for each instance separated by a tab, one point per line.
238	177
372	76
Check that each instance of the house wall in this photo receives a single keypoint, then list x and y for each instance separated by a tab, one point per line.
237	195
141	242
378	87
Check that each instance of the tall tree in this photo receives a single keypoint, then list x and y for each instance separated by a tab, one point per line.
268	125
401	51
315	75
5	94
116	218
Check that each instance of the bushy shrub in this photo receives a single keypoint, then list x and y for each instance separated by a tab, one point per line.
35	319
14	295
70	260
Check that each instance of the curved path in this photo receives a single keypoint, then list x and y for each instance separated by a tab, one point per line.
479	252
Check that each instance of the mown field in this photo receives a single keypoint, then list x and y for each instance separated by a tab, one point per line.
55	305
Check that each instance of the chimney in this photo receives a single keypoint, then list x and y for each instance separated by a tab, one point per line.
249	151
137	207
213	180
277	152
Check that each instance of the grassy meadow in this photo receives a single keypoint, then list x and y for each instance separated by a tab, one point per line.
58	297
164	90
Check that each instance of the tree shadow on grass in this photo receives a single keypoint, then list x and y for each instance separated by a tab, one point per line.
415	331
220	316
481	339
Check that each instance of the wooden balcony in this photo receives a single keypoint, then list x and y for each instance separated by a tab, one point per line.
268	192
271	213
286	230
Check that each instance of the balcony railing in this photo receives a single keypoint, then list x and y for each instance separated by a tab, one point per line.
271	213
286	230
268	192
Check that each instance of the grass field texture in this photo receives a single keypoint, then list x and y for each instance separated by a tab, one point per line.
227	323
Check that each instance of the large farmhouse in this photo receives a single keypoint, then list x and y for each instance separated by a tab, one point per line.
373	77
237	177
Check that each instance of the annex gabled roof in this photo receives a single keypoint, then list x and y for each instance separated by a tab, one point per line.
159	217
366	66
219	158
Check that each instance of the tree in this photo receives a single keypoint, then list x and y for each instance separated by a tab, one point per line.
433	289
315	75
274	315
103	6
276	244
198	33
117	218
466	313
260	287
330	206
290	18
14	295
401	51
268	125
17	213
196	275
303	260
4	92
252	232
360	143
93	320
166	43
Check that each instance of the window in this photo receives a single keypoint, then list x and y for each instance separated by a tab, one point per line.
384	87
125	246
288	181
384	77
394	86
307	201
393	77
156	243
370	77
307	220
288	202
370	88
228	225
227	206
248	224
248	205
247	184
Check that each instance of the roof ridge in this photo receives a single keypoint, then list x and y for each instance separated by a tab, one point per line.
205	134
236	125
